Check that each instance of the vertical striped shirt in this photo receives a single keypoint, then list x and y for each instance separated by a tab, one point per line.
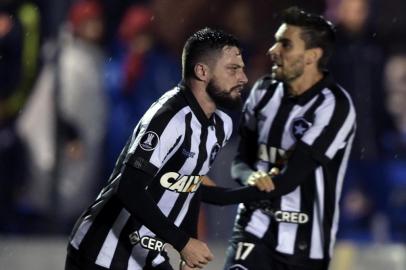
176	144
301	225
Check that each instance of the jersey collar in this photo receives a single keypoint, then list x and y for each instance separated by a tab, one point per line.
194	105
312	91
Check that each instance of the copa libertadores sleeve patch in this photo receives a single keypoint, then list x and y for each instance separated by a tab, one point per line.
149	141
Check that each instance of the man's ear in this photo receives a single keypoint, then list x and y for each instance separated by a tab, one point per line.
313	55
201	71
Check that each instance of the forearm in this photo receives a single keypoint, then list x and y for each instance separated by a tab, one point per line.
227	196
138	202
246	155
300	166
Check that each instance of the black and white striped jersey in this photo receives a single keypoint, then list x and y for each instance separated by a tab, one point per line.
175	143
301	225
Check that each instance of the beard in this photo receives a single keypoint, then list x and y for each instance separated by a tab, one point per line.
223	98
288	75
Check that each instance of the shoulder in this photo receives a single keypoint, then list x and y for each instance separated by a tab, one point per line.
224	117
263	85
334	93
167	108
337	102
265	81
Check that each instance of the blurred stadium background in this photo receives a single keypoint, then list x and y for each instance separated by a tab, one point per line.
75	76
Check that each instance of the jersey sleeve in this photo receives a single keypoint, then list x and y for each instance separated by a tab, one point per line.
154	139
333	125
243	164
257	92
140	204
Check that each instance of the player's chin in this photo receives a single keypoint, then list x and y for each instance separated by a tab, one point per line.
236	102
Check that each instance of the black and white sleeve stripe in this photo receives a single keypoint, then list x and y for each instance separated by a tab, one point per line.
334	121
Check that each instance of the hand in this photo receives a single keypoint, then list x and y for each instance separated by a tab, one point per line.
196	254
207	181
261	180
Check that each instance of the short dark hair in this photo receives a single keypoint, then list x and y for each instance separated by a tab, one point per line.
202	45
317	32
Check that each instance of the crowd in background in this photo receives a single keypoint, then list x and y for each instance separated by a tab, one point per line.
75	76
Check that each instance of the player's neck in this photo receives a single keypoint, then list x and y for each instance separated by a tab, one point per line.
304	82
206	103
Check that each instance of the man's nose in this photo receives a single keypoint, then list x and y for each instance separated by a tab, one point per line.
243	78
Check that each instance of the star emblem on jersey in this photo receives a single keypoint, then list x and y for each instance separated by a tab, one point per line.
149	141
299	127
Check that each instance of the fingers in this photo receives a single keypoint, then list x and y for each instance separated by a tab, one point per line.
196	254
253	178
187	267
196	265
207	181
209	257
202	261
183	266
265	184
261	180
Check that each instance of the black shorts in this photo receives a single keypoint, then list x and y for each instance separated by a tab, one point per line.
72	263
245	254
250	253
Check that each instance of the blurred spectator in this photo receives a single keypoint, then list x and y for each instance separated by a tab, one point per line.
11	38
138	71
395	145
357	64
395	85
83	109
19	44
71	108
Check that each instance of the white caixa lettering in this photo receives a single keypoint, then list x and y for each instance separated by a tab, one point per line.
180	183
